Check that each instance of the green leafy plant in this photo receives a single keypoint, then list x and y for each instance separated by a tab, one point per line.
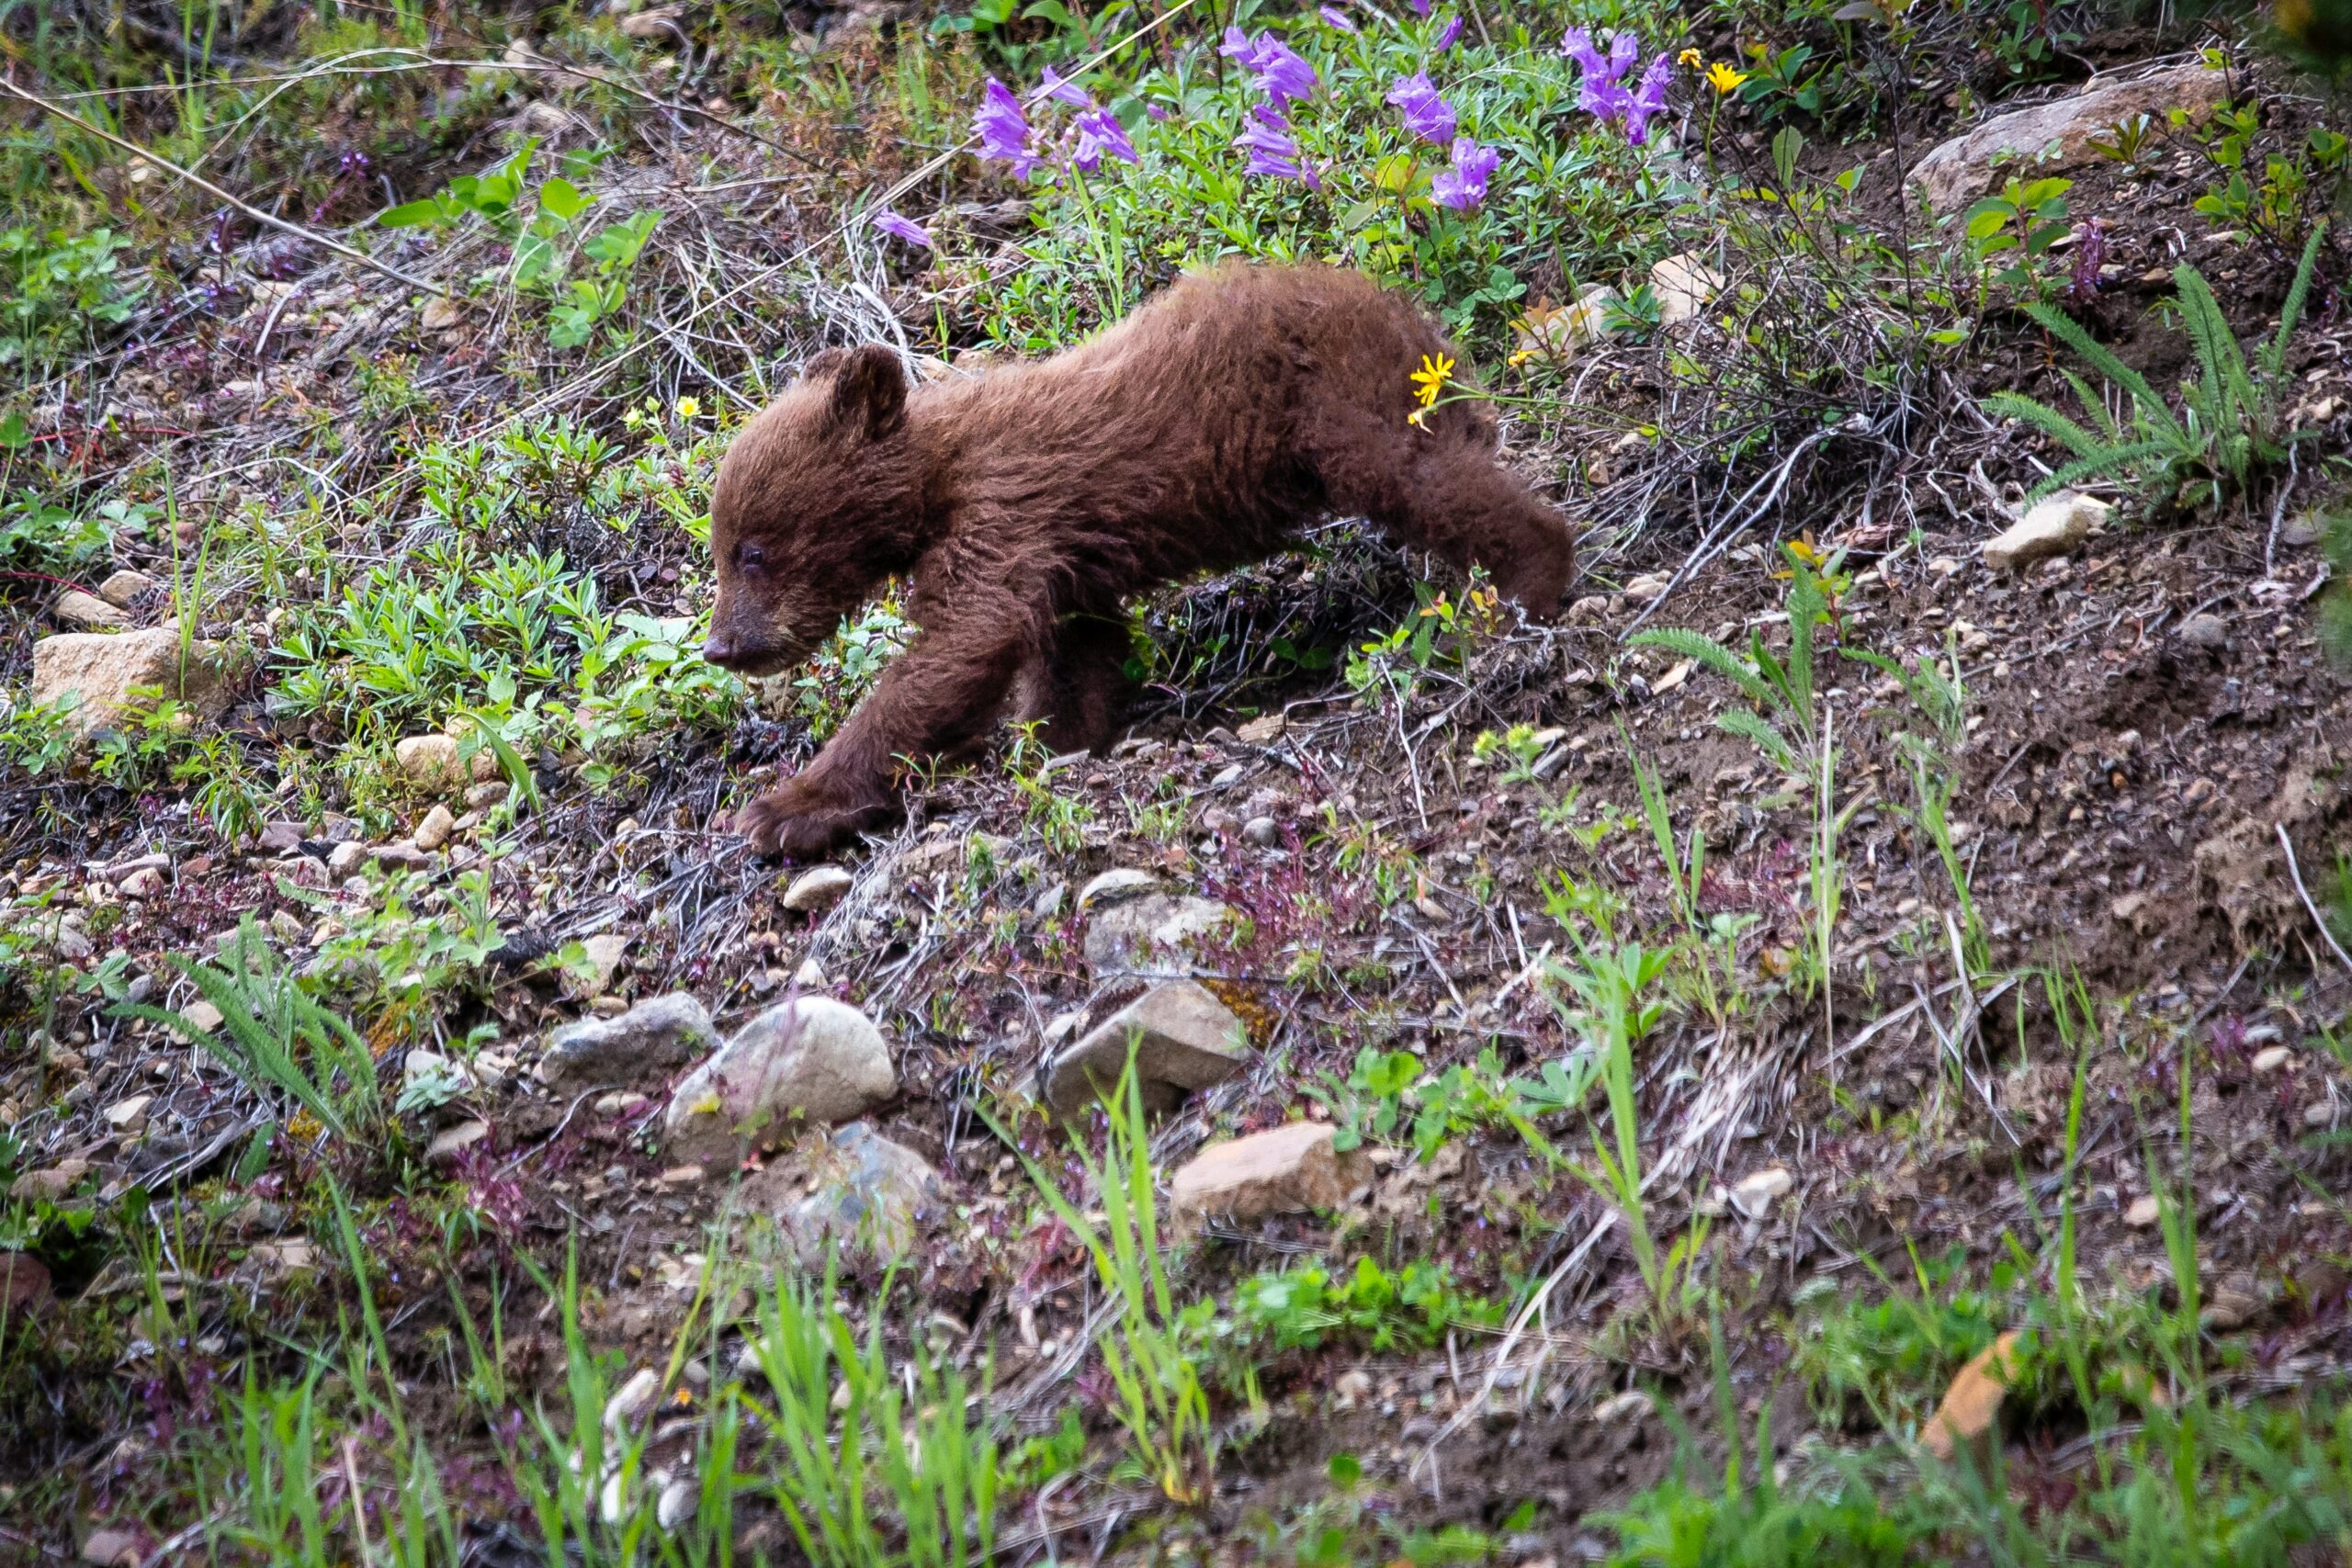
1157	1393
1378	1308
1386	1093
276	1037
855	1428
57	290
2019	222
1786	730
2230	428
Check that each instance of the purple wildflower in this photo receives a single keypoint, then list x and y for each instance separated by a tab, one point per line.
1448	33
1463	185
1098	131
1272	147
1602	92
905	229
1003	130
1648	100
1160	111
1420	7
1336	17
1282	73
1054	85
2090	254
1426	114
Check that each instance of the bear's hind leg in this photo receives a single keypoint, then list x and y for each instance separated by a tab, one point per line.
1078	688
1455	502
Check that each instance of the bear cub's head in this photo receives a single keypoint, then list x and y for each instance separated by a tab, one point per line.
819	501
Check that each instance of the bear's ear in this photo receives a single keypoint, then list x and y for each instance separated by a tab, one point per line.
869	387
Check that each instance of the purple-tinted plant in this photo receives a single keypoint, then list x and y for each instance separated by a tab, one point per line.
1100	134
1448	33
1004	131
899	228
1280	71
2090	254
1273	151
1463	184
1054	85
1336	17
1426	114
1602	92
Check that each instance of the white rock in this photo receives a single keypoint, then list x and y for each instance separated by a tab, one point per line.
1119	881
433	831
630	1400
1756	1194
345	858
430	761
103	669
1264	731
810	975
603	952
1151	935
647	1040
2143	1212
1684	286
1644	587
86	612
676	1505
441	314
2207	631
2272	1058
451	1142
146	882
2051	528
817	889
811	1061
124	1113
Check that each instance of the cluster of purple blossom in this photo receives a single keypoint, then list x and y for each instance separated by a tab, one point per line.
1282	74
1603	92
1462	185
1093	134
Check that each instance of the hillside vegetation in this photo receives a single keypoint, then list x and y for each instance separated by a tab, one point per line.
1837	1052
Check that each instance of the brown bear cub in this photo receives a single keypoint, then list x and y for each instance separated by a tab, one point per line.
1022	506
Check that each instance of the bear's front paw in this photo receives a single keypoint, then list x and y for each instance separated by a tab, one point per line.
802	822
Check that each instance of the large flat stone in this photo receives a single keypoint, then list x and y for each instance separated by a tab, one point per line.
103	669
1153	934
1288	1170
811	1061
647	1040
1184	1039
1960	170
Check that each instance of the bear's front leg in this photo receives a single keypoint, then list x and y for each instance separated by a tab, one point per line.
943	692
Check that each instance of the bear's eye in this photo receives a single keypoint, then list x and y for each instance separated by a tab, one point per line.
750	555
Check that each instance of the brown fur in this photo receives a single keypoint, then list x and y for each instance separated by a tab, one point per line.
1023	505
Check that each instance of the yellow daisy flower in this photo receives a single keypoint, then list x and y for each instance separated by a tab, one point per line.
1723	79
689	408
1430	379
1691	58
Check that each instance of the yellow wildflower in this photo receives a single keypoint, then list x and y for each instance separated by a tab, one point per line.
1691	58
1723	79
1430	379
689	408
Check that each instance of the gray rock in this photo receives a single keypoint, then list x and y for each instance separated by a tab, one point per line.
810	1060
650	1039
124	587
1148	935
855	1191
1182	1037
1966	167
103	669
2207	631
1262	831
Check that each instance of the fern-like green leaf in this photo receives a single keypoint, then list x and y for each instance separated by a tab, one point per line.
1709	655
2047	419
2101	357
2230	398
1748	727
2272	359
